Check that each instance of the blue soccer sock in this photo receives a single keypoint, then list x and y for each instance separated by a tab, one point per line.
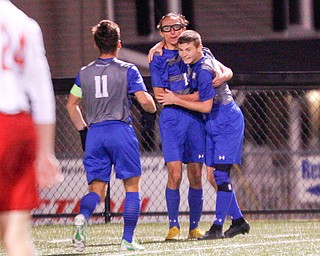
195	199
234	210
131	213
222	206
173	202
88	204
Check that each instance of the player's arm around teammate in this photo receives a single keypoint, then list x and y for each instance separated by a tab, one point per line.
221	75
225	132
182	131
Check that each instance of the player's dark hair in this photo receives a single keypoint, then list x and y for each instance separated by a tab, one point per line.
106	36
190	36
182	19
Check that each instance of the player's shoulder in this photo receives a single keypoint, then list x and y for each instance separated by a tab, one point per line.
110	62
207	63
9	9
166	54
157	58
87	66
18	19
123	64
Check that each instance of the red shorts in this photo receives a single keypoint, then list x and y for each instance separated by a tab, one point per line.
18	185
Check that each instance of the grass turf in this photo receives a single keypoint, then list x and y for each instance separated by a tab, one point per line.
276	237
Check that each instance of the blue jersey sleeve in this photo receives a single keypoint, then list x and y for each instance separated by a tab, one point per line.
77	80
205	87
135	80
158	72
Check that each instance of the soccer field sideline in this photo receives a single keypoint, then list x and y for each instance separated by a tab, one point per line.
273	237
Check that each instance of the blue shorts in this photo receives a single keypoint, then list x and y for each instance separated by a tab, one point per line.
225	131
182	135
111	143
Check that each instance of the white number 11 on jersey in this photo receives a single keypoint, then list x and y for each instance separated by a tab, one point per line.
101	86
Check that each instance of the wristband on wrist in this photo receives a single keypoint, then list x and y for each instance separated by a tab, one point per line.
84	129
83	137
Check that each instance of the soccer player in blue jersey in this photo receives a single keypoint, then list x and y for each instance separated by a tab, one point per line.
224	128
182	131
105	85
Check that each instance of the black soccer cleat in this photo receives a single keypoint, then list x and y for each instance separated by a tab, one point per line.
237	230
215	232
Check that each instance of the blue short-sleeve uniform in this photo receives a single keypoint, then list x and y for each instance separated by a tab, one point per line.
182	131
111	140
225	122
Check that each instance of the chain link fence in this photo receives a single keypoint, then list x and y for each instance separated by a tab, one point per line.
280	171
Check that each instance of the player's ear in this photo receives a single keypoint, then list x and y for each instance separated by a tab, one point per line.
119	44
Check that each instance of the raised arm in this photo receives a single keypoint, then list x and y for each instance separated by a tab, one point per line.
156	48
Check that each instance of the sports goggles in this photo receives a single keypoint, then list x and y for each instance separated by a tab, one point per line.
175	27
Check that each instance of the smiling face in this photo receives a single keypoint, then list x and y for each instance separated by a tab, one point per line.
189	53
172	35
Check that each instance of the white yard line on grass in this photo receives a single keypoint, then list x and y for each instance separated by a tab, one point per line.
56	241
282	235
206	245
228	246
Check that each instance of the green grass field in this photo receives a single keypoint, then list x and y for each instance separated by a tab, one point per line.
277	237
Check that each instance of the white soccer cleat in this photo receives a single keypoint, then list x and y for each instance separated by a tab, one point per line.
79	236
134	246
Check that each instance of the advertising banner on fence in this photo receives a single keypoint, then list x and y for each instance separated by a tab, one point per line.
64	198
309	179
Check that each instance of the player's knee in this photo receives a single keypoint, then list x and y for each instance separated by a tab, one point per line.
212	181
132	184
225	187
195	181
174	182
221	177
175	178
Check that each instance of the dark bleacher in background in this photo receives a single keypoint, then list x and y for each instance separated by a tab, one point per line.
270	55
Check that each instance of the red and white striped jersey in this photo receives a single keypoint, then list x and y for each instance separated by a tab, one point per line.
25	79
